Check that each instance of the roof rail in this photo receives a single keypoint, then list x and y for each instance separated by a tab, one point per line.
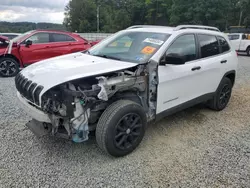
147	26
196	27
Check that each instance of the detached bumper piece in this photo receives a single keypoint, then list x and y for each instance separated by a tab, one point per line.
42	129
38	128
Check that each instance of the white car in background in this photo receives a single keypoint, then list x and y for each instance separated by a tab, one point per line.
240	42
136	76
10	36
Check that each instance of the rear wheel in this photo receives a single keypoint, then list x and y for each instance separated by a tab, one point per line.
8	67
222	96
248	51
121	128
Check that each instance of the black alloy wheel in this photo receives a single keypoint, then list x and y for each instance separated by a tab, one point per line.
225	95
8	67
128	131
121	128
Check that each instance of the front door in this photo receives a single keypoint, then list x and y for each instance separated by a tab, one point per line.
178	83
38	50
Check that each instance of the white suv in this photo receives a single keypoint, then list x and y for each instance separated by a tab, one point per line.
136	76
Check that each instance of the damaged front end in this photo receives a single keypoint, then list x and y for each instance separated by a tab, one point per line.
75	107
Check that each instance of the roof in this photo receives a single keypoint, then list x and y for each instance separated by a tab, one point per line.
53	30
181	28
10	33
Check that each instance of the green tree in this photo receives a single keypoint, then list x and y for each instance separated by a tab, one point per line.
119	14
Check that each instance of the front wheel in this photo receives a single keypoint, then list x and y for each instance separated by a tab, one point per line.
121	128
222	95
8	67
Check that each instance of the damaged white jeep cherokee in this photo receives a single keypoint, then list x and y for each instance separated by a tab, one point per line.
138	75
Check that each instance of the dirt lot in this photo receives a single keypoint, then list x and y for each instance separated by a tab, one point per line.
193	148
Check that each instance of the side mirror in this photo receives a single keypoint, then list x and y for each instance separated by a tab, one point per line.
172	59
28	43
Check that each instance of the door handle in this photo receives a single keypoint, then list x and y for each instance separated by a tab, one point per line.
224	61
196	68
47	46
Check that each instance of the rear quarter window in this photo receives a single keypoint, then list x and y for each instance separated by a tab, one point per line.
223	44
57	37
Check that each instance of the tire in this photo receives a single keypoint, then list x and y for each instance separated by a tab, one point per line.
115	132
9	67
222	96
248	51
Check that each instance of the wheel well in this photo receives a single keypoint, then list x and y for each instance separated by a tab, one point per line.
231	76
128	95
11	56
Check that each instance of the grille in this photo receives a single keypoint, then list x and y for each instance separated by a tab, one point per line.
28	89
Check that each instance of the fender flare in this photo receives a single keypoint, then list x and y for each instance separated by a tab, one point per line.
226	75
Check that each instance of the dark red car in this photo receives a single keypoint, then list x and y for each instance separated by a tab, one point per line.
35	46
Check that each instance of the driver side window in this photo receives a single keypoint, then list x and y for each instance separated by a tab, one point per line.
39	38
183	47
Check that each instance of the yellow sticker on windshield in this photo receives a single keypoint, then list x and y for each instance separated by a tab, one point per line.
148	50
113	44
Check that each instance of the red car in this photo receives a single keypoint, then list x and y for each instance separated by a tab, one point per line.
35	46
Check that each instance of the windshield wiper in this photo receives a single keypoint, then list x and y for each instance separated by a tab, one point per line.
85	52
107	57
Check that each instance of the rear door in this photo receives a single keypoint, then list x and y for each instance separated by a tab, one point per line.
38	50
61	44
211	62
65	44
235	40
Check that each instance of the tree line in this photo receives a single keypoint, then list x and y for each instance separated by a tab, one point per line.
21	27
114	15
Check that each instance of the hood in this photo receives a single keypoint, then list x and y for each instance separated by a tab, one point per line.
58	70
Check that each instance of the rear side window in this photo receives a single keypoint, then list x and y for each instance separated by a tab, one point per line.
184	47
56	37
209	45
223	44
234	37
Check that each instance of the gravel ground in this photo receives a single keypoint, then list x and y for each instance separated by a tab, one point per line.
193	148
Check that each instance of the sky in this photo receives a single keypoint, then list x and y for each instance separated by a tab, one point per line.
32	10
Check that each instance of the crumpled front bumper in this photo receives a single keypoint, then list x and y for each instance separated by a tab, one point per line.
33	111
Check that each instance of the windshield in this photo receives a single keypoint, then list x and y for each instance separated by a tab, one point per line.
136	47
22	36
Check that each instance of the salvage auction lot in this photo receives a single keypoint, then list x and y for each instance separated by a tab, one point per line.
196	147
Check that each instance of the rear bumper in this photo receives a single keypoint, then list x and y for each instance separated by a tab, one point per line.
33	111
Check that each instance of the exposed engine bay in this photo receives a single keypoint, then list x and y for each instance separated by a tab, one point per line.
75	107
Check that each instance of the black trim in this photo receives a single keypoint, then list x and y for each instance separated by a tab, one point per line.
241	51
226	74
185	105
